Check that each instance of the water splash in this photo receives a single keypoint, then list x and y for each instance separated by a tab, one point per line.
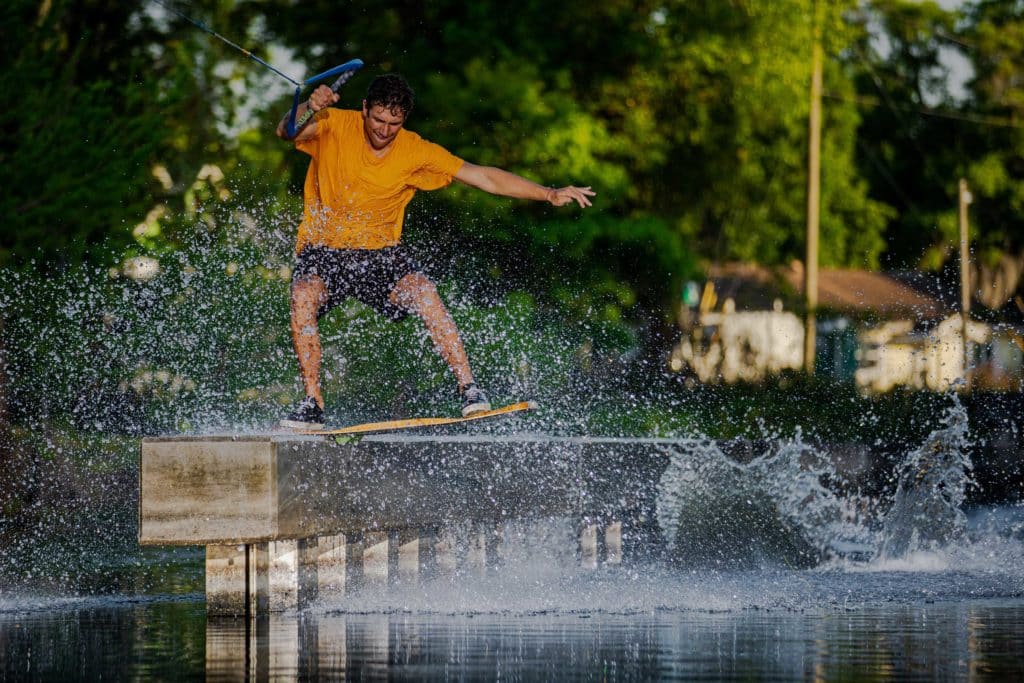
202	344
926	513
782	506
773	509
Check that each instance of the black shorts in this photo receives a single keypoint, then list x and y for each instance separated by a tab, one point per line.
368	275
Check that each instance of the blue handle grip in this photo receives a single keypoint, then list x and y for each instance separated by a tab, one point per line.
350	65
343	71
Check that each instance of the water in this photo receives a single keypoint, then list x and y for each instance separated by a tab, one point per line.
780	625
946	604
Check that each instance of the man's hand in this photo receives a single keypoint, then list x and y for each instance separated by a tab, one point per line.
564	195
321	98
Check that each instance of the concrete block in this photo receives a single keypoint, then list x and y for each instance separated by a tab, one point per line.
222	490
196	492
312	514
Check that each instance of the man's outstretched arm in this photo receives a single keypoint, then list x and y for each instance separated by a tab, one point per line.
497	181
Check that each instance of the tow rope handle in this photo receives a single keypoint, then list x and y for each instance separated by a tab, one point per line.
342	71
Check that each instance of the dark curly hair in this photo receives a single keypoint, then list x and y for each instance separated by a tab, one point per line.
391	92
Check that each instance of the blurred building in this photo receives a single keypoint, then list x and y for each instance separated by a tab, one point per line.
879	330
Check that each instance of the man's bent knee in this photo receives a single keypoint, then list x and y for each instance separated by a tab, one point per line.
413	291
310	285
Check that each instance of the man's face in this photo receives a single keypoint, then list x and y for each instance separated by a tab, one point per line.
381	125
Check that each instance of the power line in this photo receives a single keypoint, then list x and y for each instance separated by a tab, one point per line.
939	33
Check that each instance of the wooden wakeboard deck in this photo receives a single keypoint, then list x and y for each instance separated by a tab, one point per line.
413	423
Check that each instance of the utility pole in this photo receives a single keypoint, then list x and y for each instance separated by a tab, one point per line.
813	195
964	200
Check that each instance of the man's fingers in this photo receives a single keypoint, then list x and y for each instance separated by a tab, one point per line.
323	97
581	195
567	195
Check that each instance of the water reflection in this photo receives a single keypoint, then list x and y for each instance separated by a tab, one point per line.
909	642
983	640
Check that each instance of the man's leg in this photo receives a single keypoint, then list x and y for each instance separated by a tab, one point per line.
415	292
307	296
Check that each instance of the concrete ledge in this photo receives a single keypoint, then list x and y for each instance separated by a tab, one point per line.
234	490
284	517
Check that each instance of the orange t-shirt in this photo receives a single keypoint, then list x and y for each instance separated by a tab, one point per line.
356	200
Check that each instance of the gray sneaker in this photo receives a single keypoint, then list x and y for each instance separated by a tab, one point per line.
474	400
307	415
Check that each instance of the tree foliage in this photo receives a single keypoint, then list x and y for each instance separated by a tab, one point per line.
78	129
919	136
995	166
689	118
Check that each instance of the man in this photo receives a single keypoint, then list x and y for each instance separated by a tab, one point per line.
365	169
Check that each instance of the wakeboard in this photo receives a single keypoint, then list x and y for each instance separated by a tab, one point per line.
413	423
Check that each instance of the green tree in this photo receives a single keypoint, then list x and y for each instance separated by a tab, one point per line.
78	132
740	74
996	168
917	138
909	158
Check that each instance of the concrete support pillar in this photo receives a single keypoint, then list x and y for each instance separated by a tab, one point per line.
330	563
256	578
292	573
476	552
613	543
446	551
375	557
482	548
225	579
394	547
427	553
588	546
354	566
237	579
494	535
408	545
593	545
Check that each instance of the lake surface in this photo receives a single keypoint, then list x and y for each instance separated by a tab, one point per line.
917	589
948	618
